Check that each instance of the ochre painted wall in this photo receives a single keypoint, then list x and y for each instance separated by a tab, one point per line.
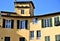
15	33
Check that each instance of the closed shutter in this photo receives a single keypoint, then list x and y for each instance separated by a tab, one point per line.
26	24
17	24
3	23
12	23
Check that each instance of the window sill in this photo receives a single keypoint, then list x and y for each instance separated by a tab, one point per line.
38	38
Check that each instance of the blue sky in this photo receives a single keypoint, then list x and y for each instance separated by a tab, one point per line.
41	6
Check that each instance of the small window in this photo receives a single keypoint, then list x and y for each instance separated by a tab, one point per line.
31	34
8	14
47	38
35	20
7	39
38	34
57	38
56	21
22	39
22	11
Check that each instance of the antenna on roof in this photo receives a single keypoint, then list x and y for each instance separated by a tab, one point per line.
24	0
15	0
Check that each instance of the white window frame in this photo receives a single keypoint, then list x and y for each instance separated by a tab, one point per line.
23	23
31	38
39	34
46	22
7	23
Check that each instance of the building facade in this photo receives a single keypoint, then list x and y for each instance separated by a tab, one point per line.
22	25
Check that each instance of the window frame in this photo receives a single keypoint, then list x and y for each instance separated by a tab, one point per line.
56	20
8	23
47	38
21	22
35	20
7	38
47	22
57	37
38	34
31	35
22	11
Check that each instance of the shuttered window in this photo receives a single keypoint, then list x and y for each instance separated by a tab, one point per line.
47	22
22	24
8	23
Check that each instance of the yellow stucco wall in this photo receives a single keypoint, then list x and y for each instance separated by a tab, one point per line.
15	33
27	11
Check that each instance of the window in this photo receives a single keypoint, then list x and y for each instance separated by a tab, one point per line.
38	34
31	34
22	24
57	38
7	38
47	38
35	20
47	22
56	21
22	39
8	23
22	11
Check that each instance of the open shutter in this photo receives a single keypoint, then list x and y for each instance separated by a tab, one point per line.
42	24
3	23
17	24
50	22
26	24
12	23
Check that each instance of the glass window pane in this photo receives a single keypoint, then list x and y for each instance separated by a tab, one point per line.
8	23
47	22
31	34
22	24
47	38
57	37
22	11
56	21
38	34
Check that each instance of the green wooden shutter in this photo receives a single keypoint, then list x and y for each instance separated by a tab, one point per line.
17	24
12	23
42	24
3	23
50	22
26	24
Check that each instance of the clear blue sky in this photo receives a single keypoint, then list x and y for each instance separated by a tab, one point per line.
41	6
